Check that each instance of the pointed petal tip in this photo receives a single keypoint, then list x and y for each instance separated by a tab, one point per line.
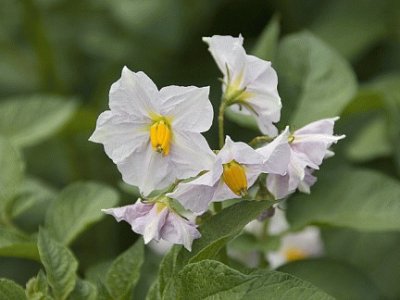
206	39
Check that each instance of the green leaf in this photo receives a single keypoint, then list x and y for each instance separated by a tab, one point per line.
37	288
336	17
247	242
216	233
125	272
267	43
10	290
16	244
336	278
371	142
375	253
78	206
154	292
11	174
223	227
102	292
314	81
29	120
349	197
84	290
213	280
31	192
59	263
168	268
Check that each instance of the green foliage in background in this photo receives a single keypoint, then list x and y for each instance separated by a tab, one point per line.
57	62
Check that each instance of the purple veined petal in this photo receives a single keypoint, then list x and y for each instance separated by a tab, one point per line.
130	212
308	181
278	186
179	231
189	107
152	223
145	219
121	135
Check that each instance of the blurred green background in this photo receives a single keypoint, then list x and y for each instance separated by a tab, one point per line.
73	50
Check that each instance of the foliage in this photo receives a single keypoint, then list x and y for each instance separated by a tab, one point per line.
332	58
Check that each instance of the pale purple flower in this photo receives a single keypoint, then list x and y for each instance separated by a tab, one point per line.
221	183
308	147
156	221
249	82
154	136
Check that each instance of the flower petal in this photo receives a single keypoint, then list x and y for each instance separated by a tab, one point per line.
277	154
195	197
308	181
228	52
278	185
223	192
190	154
148	170
324	126
130	212
144	218
134	94
154	222
240	152
179	231
120	134
190	108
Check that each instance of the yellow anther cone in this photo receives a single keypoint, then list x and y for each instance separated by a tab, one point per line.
160	137
293	254
234	176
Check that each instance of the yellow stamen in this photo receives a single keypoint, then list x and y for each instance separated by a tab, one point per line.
160	136
293	254
160	206
291	138
234	176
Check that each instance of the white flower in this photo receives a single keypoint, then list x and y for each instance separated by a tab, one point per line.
296	246
156	221
308	147
154	135
249	82
235	169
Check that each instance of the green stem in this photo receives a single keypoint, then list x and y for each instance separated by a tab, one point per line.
260	139
217	207
222	108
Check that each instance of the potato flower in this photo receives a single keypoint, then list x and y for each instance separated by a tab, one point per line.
154	136
249	83
157	221
235	169
308	147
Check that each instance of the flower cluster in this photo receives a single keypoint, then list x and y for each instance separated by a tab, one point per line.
154	136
